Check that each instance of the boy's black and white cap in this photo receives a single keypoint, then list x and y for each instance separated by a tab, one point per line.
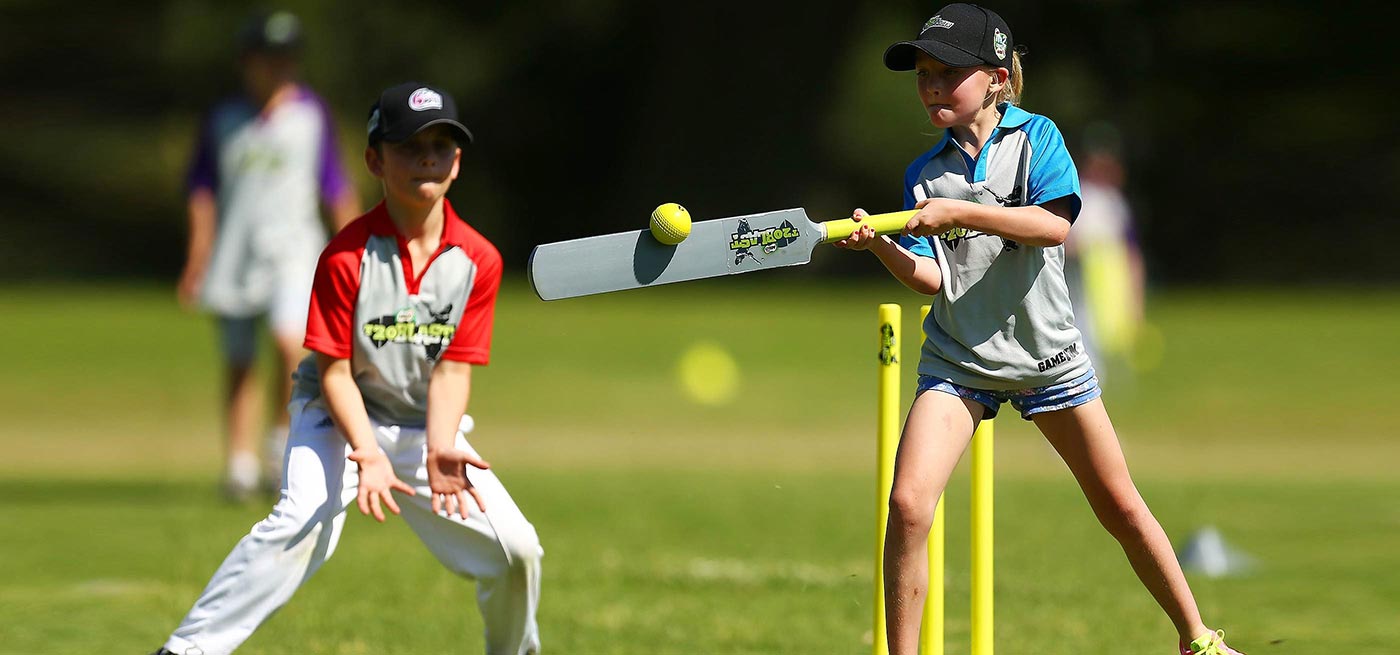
959	35
276	32
407	109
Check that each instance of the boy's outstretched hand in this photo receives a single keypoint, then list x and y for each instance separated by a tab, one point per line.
447	478
377	479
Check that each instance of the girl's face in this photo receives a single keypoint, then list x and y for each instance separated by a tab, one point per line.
952	96
417	171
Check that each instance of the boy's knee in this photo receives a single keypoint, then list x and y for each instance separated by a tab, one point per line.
522	548
294	520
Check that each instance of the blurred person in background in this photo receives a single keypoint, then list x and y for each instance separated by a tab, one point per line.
264	163
1104	264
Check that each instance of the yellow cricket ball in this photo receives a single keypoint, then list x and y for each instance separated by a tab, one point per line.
670	223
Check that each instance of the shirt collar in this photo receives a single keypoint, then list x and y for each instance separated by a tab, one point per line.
454	231
1012	117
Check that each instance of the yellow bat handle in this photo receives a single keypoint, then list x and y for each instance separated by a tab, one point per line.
883	223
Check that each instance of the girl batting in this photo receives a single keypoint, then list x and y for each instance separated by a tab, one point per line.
995	199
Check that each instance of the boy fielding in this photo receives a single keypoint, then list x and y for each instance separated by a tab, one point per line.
401	308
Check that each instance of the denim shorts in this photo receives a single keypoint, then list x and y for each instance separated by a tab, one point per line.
1029	402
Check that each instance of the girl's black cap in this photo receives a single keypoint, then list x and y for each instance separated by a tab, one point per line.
407	109
959	35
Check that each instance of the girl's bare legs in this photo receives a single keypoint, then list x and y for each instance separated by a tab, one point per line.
1086	441
938	429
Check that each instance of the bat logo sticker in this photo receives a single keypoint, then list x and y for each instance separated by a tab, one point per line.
767	239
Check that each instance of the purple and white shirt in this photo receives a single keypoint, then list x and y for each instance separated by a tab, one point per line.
268	171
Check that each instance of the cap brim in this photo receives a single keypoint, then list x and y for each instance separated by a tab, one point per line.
901	56
464	134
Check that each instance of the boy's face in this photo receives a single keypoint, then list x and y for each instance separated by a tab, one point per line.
264	72
952	96
418	171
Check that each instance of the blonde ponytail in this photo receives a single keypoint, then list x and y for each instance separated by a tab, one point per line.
1015	82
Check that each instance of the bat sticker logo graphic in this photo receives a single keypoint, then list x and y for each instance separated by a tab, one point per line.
741	246
768	239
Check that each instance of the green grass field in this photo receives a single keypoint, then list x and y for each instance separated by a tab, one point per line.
673	527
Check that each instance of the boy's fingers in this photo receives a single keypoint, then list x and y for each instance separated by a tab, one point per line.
437	503
363	501
378	511
404	487
922	203
393	504
462	504
480	504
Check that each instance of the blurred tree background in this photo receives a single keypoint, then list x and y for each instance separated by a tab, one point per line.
1247	127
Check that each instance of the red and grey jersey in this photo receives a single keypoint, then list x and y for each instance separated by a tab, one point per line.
367	306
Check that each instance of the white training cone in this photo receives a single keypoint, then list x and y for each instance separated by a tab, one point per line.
1207	553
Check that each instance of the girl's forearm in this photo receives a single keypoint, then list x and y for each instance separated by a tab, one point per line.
914	271
1032	226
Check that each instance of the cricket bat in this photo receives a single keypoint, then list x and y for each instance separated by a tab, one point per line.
722	246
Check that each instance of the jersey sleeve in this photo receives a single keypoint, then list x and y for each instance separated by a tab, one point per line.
916	245
330	174
471	343
204	172
331	316
1052	173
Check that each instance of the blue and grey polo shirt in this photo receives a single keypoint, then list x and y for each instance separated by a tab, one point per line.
1003	319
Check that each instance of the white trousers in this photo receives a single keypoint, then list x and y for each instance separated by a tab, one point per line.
499	549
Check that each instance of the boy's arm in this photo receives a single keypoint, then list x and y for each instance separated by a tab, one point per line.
448	392
343	208
201	211
449	389
347	409
339	200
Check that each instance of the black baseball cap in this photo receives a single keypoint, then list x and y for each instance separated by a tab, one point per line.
959	35
276	32
406	109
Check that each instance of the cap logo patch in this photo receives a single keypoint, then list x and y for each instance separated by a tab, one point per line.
937	21
999	43
373	121
424	99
